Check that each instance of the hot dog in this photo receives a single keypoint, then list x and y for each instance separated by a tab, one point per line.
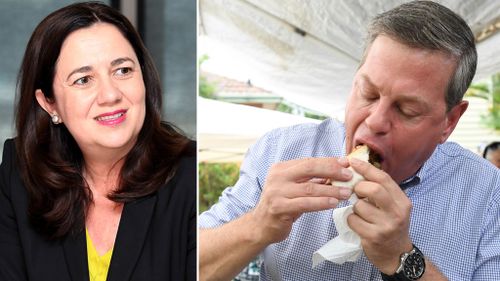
363	153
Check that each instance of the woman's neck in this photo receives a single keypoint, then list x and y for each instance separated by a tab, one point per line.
102	169
102	176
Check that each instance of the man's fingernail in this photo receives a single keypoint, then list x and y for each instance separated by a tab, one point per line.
343	161
345	193
346	172
333	201
355	161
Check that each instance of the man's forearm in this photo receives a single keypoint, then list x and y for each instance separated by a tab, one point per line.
226	250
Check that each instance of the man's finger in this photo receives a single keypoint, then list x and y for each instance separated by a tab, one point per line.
367	211
373	192
371	173
312	189
308	204
359	225
307	168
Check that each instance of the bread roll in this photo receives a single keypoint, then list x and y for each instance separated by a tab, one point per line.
361	152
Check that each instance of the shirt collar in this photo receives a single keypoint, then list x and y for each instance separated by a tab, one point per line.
410	182
421	173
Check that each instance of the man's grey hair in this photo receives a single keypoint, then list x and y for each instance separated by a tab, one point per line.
429	25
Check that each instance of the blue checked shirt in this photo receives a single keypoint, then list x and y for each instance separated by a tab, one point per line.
455	220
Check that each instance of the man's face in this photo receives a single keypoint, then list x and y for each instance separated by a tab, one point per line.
397	105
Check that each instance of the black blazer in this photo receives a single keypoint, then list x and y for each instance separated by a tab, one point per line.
156	237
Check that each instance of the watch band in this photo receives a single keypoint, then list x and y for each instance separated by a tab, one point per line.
395	277
407	259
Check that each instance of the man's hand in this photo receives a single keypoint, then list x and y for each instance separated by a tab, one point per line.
381	218
291	189
295	187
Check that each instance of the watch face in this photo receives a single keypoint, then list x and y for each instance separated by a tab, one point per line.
414	266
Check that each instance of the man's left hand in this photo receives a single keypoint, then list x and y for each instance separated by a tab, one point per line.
381	217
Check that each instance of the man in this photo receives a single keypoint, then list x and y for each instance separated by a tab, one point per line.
492	153
431	213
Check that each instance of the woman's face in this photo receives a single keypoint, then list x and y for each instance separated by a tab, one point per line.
99	90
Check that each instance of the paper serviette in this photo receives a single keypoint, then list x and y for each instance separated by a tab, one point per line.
347	245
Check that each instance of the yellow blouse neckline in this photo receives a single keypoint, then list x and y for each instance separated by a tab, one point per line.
98	264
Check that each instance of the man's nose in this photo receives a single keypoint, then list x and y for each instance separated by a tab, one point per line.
379	118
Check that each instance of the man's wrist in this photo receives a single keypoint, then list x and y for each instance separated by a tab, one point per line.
391	268
411	267
256	234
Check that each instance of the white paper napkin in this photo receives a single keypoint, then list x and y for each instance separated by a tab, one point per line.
347	245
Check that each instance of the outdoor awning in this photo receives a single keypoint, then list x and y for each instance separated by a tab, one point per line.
308	51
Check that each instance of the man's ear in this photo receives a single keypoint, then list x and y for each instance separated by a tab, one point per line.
47	104
452	118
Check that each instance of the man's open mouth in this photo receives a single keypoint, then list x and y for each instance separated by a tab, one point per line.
374	158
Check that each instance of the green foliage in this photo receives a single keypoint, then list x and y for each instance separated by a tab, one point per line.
205	88
478	90
213	179
315	116
490	91
284	108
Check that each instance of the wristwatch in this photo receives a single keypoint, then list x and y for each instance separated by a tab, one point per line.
411	267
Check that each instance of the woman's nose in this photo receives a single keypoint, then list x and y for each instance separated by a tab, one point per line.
109	92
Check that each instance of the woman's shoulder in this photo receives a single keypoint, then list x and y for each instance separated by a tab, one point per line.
10	179
9	158
186	169
179	192
190	151
9	149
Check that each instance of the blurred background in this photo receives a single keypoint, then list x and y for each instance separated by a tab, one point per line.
269	63
168	28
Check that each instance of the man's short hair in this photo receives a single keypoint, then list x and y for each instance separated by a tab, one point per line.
429	25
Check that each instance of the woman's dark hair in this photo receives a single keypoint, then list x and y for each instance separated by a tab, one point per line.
491	147
50	160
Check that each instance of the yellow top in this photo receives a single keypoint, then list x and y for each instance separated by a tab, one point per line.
98	265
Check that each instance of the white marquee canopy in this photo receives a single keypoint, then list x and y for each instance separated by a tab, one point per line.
308	51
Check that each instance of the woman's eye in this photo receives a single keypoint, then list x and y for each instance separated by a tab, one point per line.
123	71
82	81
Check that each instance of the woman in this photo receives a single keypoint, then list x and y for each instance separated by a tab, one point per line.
94	186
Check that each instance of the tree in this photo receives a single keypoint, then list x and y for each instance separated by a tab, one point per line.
206	89
213	179
490	91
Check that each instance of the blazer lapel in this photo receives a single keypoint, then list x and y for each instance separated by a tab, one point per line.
75	252
134	224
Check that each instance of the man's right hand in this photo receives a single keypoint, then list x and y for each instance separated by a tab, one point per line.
291	189
295	187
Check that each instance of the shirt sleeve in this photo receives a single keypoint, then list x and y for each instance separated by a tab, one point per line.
12	265
488	255
244	195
